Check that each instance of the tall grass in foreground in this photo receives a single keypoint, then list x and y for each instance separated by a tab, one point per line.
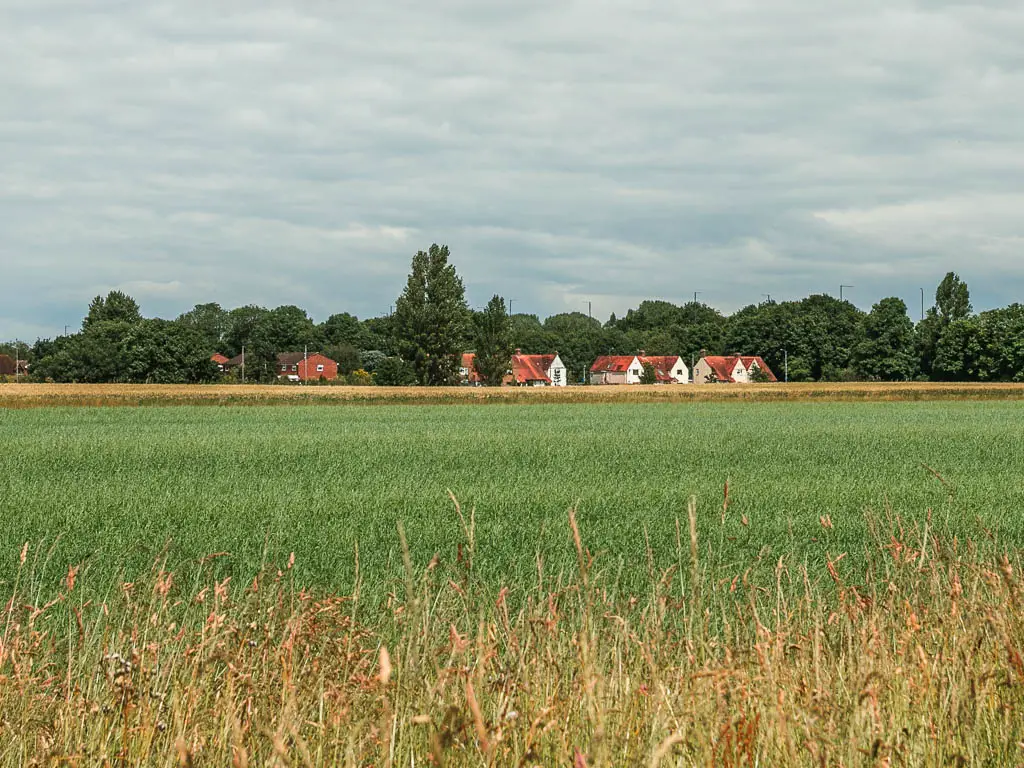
919	663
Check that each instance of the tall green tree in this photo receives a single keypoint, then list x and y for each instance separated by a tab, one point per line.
952	299
493	342
578	339
210	321
116	307
952	305
887	350
242	324
344	328
528	334
431	318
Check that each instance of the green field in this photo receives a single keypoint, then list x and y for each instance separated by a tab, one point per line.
111	488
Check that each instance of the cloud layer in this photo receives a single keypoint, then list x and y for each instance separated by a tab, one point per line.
592	150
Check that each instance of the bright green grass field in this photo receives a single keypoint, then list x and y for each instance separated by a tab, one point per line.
110	487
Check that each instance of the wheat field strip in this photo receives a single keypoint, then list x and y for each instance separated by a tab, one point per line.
23	396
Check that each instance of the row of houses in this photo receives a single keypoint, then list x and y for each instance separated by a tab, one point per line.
550	371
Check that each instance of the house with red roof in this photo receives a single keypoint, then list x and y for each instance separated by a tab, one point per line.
220	361
524	371
730	369
298	366
629	369
538	370
467	370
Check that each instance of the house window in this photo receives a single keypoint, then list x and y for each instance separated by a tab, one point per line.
679	371
319	369
636	371
284	367
295	367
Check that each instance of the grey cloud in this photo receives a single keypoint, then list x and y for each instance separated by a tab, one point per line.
605	151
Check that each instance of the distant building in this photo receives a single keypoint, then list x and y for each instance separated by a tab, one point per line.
538	370
629	369
220	361
730	369
7	365
298	366
524	371
467	370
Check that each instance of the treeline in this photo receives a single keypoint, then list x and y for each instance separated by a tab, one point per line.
819	338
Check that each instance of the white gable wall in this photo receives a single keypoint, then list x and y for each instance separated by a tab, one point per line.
680	373
557	373
634	372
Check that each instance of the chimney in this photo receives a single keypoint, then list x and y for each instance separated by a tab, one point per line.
642	353
703	353
519	351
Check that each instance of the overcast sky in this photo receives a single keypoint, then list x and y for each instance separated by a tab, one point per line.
608	151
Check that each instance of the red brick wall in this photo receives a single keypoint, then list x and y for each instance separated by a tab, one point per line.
329	372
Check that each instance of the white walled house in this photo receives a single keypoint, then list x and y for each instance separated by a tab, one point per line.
629	369
616	369
729	369
672	365
538	370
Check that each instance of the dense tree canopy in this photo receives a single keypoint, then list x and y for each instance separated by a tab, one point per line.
821	337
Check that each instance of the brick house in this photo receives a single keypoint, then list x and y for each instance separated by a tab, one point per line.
297	366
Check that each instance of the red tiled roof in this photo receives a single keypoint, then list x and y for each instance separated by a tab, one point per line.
748	361
722	366
663	365
469	363
620	364
219	359
612	364
531	368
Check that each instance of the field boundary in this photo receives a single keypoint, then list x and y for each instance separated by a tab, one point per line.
21	396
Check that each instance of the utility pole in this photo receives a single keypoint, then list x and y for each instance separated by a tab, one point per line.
510	307
841	290
695	293
305	364
243	363
786	354
922	304
769	296
17	361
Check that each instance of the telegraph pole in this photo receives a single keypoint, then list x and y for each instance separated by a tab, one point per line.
841	290
695	293
305	364
769	297
243	363
922	303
